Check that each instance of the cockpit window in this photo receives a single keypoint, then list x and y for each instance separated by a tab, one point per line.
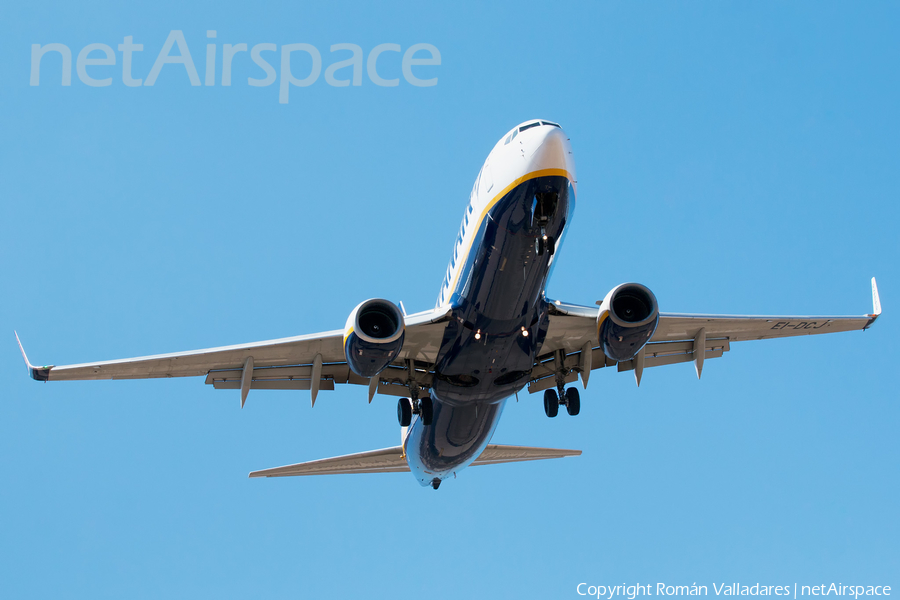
529	126
551	124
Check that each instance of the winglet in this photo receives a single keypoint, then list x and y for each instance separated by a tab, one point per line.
876	305
876	301
36	373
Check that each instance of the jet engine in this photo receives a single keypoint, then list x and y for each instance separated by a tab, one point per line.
628	318
373	336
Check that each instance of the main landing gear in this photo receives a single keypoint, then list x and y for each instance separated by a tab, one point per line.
570	397
406	408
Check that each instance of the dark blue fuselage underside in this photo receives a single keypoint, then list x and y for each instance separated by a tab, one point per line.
499	295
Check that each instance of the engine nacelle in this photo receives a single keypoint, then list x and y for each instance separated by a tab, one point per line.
373	336
628	318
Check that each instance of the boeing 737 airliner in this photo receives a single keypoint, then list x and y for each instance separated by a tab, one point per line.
492	333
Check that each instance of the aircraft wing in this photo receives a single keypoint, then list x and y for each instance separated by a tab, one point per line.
317	362
678	338
286	363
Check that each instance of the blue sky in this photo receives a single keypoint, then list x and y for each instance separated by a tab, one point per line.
734	157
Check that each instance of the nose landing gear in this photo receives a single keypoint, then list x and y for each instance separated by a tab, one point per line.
544	206
544	243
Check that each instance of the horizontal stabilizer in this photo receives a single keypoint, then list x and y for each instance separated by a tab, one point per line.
387	460
495	454
390	460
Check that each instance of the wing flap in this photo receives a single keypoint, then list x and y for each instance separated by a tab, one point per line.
392	381
672	353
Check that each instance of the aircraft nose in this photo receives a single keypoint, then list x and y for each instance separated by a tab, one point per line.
550	149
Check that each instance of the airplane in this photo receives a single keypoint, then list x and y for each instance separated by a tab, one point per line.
492	332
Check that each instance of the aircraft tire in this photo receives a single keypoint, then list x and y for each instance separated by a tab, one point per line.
551	245
426	410
573	401
551	403
404	412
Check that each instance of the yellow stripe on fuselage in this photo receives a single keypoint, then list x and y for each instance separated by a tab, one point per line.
493	202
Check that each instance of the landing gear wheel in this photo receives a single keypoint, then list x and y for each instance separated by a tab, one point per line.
435	483
539	246
573	401
426	410
551	403
551	245
404	412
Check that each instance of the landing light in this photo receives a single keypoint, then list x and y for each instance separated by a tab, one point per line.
478	335
545	238
524	332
